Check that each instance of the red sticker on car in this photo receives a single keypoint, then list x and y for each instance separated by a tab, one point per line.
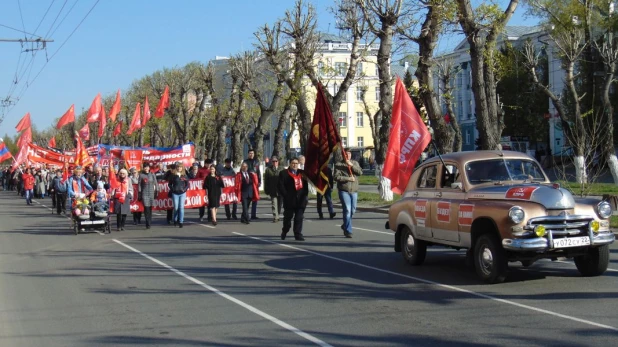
420	209
465	215
521	193
444	211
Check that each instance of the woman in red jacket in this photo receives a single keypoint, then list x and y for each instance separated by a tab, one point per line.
28	180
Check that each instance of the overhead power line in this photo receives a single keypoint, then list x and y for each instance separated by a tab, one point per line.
21	31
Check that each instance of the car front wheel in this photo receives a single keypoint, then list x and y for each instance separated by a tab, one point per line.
490	259
413	250
594	263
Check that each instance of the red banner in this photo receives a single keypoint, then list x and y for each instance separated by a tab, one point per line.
133	158
196	195
160	155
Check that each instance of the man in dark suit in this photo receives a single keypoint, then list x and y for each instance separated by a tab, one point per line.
246	183
294	188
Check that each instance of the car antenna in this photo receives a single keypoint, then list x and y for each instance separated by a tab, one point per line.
437	151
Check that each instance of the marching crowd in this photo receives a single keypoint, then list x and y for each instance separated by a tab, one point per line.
287	188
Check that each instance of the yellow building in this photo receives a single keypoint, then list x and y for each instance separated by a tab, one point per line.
332	60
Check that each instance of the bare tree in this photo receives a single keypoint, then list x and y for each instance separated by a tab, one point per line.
382	17
436	15
446	71
482	28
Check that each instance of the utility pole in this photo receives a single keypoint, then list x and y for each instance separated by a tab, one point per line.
41	43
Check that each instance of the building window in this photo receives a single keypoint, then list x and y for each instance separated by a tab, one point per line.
377	70
377	93
343	119
341	69
360	142
359	93
359	69
345	95
359	120
467	137
344	141
321	68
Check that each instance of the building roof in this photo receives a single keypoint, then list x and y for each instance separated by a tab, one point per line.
511	32
327	37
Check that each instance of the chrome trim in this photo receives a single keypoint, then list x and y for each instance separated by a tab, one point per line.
603	239
562	218
535	244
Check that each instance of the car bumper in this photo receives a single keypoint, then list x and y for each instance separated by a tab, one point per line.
542	244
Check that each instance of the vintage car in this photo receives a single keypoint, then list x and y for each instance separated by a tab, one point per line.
501	207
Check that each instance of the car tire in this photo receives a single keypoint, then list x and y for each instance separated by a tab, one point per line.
594	263
412	249
490	259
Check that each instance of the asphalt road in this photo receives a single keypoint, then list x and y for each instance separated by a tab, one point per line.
237	285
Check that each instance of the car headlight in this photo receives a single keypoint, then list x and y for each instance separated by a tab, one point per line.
604	209
517	214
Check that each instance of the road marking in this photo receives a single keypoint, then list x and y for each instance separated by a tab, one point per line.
453	288
229	297
373	231
69	218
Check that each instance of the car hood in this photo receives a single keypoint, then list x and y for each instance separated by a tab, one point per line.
552	198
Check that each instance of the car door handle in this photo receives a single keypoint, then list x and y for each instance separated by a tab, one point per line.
439	195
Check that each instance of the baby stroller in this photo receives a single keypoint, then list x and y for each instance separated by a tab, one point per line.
88	215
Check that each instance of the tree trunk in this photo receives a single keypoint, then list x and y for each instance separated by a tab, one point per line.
221	145
457	139
279	149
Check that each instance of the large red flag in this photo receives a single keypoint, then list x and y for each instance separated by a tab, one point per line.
21	158
52	142
102	122
115	108
67	117
84	132
117	129
24	123
163	103
94	113
136	123
146	112
324	140
408	139
81	152
25	138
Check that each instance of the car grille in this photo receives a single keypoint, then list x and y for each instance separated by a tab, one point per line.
562	225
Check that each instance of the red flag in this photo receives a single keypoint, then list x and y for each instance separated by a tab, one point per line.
52	142
146	112
163	103
67	117
25	138
102	123
323	141
94	113
136	123
115	108
24	123
84	132
117	129
81	152
113	180
22	157
408	138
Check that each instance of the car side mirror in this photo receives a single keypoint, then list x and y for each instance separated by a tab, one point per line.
457	185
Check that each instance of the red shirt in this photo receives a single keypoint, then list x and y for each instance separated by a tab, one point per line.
28	181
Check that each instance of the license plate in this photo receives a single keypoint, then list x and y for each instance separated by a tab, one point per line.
572	242
98	222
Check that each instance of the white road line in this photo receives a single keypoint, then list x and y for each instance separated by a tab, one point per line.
51	209
373	231
454	288
230	298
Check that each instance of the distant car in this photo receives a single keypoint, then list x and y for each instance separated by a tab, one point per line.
502	208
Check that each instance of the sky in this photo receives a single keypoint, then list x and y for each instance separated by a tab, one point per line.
119	41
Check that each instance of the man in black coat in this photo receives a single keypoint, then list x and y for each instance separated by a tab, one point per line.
253	165
294	189
246	191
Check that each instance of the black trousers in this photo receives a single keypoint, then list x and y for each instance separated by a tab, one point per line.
245	209
148	215
61	201
170	213
120	220
137	217
227	210
298	215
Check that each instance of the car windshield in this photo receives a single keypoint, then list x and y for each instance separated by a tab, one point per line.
493	170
